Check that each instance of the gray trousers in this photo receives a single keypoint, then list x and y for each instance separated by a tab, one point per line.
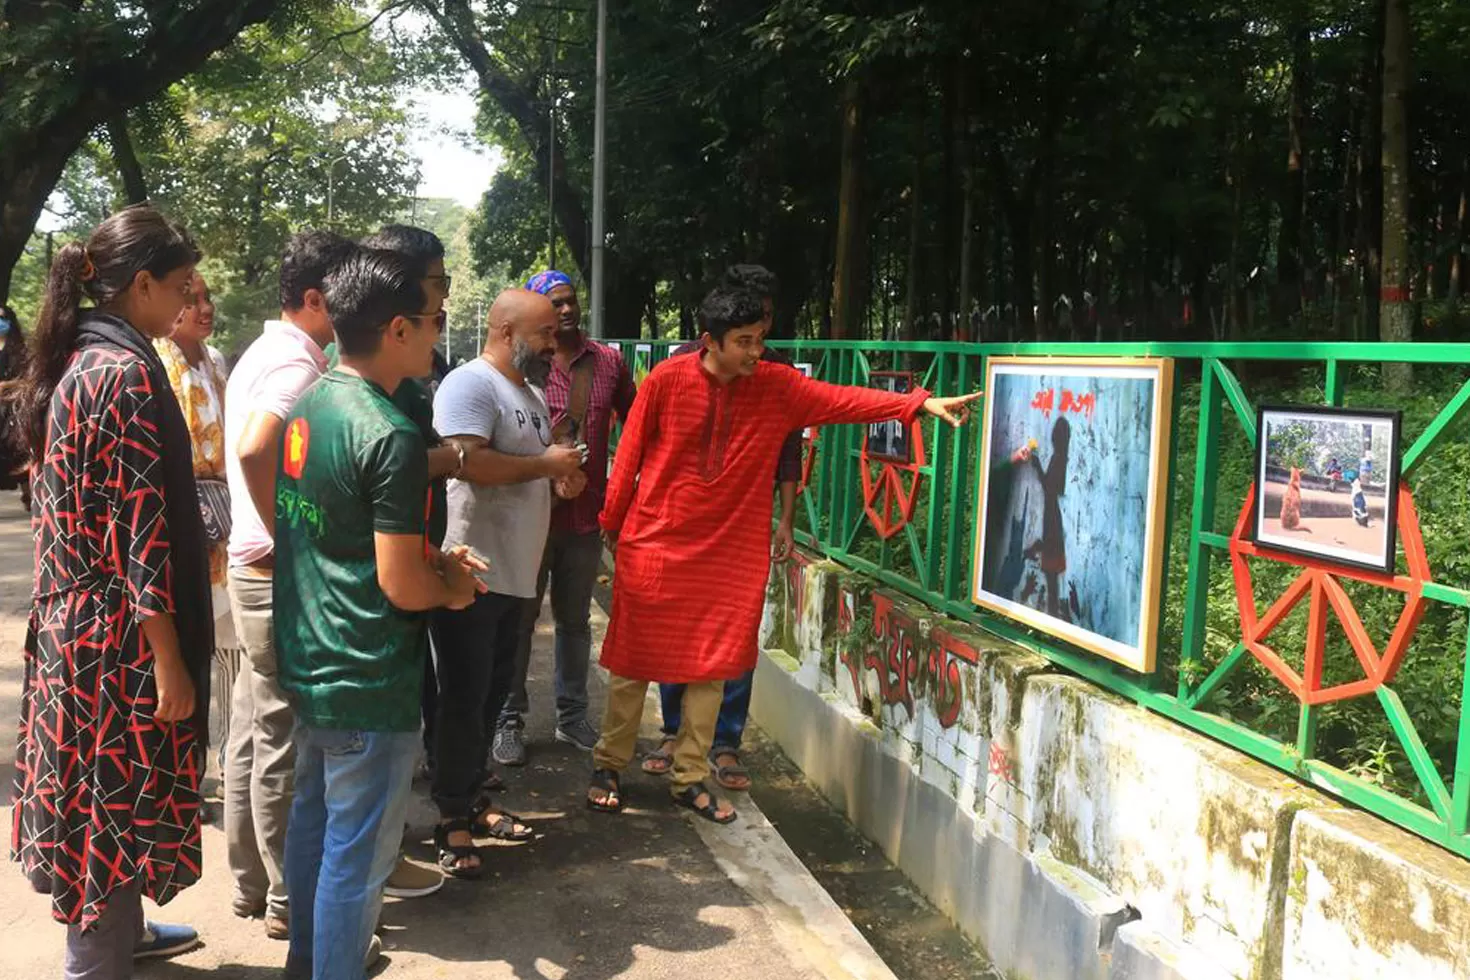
260	757
570	566
105	952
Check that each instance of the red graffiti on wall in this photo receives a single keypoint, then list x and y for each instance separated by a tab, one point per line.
907	665
895	656
795	570
945	686
1045	401
1000	764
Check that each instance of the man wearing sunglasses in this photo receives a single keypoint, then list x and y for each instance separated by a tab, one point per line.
423	252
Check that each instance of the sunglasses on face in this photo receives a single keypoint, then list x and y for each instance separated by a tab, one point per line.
439	318
447	280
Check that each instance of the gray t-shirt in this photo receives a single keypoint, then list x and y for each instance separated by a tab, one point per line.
507	525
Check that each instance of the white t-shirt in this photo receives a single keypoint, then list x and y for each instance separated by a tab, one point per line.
507	525
274	372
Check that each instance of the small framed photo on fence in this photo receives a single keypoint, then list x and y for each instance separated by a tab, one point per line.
889	442
1327	484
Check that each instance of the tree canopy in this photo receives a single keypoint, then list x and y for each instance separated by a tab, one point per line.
1077	169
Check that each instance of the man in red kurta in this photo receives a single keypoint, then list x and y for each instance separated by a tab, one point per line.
689	512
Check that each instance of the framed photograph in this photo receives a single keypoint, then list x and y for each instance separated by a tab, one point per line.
1327	484
810	370
1070	512
642	362
888	442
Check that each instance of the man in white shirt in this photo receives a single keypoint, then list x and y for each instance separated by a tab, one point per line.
500	507
259	758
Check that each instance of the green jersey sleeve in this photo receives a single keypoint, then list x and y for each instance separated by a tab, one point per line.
396	475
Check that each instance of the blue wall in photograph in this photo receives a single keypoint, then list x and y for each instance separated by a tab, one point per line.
1088	541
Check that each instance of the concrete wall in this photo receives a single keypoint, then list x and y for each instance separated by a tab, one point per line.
1073	834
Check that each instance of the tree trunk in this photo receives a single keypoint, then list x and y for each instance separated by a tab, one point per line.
849	278
1289	261
1370	182
1234	292
134	186
963	331
1398	310
1457	248
949	214
911	268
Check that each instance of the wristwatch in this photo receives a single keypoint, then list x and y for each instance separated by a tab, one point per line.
459	449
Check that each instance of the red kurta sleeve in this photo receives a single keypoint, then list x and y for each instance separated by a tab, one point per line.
623	483
810	402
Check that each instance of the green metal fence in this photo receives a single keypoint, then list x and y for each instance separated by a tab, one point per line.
930	559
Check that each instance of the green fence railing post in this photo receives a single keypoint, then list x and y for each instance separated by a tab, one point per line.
957	540
1202	521
939	491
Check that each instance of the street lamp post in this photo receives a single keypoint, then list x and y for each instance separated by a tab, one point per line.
599	176
331	168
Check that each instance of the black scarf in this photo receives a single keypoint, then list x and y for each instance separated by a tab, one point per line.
188	550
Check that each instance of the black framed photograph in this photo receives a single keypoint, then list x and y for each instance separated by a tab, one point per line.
1327	482
889	441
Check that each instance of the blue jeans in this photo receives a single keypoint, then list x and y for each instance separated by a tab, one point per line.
734	709
352	794
570	564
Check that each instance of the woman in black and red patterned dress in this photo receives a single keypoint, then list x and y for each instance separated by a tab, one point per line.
117	664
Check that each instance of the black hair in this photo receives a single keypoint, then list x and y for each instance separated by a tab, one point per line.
756	278
134	240
727	308
309	257
365	292
415	243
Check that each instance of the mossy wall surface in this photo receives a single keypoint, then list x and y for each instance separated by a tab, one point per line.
1218	854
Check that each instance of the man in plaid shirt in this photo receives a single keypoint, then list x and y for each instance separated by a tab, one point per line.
588	383
735	707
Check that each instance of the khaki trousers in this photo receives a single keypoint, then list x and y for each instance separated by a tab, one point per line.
624	714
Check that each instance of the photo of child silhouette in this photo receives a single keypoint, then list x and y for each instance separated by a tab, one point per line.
1050	550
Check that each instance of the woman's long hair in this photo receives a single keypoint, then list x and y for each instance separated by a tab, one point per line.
133	240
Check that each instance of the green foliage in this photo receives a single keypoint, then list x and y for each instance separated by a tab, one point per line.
272	134
300	116
1125	160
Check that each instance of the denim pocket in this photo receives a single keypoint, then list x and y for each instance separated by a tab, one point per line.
342	743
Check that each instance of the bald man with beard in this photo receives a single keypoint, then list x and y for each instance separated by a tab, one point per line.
492	410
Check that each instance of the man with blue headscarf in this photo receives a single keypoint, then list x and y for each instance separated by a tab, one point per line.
588	383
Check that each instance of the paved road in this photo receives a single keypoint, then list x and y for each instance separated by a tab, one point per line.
638	895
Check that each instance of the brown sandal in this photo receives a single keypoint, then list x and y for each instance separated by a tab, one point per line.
734	777
661	760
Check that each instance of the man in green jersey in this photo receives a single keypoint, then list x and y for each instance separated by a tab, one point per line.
354	573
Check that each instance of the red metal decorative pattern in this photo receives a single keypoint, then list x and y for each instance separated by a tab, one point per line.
1319	580
888	501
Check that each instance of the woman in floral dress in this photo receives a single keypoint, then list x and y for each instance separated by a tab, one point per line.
117	664
197	375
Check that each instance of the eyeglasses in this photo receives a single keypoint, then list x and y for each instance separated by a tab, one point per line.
440	318
448	280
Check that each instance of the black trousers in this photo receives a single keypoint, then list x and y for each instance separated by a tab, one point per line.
474	657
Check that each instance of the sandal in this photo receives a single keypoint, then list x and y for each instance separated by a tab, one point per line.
501	825
605	780
689	799
734	776
450	855
661	760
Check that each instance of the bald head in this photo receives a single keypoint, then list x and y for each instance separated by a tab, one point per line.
520	335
